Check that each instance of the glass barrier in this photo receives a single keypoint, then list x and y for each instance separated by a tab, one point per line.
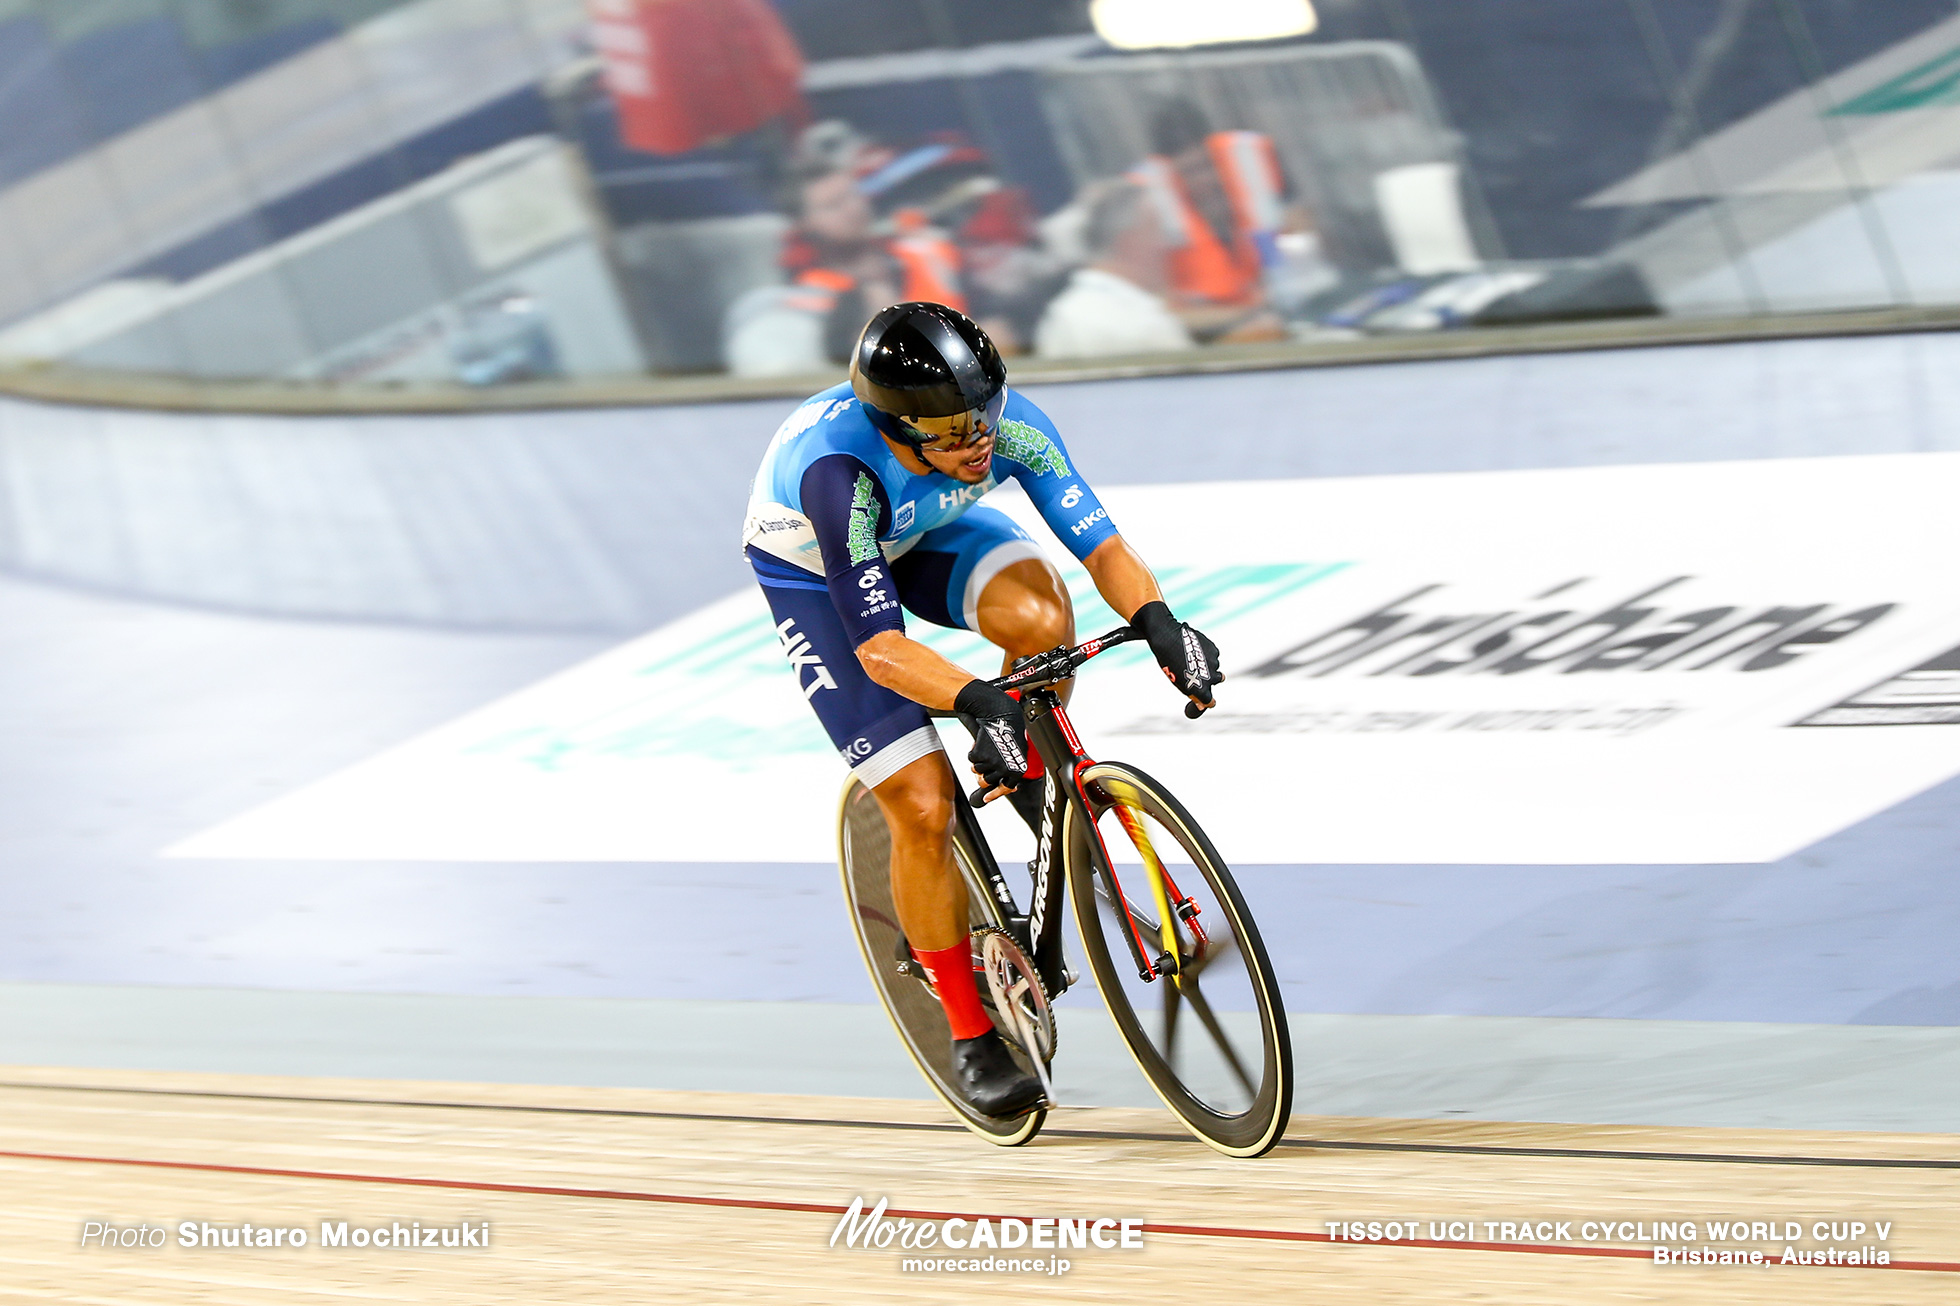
488	192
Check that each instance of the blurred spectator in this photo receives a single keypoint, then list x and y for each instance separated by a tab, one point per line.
842	270
838	251
833	145
946	182
776	331
1010	275
843	264
1115	304
1221	198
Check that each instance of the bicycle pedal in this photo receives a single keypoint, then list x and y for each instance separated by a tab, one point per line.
904	963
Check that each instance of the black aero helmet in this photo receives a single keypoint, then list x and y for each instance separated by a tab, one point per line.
926	360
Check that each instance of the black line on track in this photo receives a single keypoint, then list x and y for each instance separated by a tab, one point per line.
1301	1144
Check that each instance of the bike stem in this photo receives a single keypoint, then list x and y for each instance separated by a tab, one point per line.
1040	670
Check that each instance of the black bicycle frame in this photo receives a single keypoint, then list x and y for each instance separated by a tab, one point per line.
1038	931
1062	756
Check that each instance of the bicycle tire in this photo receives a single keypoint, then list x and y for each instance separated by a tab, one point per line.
1212	1093
863	861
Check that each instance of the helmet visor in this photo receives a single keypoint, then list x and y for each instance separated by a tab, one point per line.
945	434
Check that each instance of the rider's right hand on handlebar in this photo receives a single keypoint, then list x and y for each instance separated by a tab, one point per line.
1187	655
1000	734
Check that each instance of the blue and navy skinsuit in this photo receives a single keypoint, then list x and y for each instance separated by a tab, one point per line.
844	541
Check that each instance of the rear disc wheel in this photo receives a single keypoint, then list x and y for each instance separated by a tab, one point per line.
864	860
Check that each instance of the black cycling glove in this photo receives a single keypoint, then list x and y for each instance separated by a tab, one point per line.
1186	655
1000	733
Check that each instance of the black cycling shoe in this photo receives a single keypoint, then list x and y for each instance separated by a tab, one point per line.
990	1080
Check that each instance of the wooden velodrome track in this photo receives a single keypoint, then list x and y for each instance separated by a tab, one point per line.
608	1195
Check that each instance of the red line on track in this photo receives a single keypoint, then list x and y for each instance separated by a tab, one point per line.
831	1208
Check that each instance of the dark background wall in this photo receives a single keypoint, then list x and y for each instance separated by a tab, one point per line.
1557	99
1554	98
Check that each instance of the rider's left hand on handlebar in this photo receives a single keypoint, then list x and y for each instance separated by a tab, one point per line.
1187	655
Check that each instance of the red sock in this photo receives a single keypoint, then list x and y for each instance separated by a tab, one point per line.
951	972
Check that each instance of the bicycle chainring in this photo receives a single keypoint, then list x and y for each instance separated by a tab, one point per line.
1018	998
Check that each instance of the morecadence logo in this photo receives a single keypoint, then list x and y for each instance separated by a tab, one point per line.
974	1243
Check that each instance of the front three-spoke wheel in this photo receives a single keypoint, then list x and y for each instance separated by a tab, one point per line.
1179	962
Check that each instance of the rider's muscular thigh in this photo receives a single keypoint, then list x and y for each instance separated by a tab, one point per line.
926	889
1025	609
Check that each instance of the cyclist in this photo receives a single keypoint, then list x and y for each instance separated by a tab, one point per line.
865	506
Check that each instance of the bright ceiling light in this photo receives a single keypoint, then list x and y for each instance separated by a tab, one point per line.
1144	24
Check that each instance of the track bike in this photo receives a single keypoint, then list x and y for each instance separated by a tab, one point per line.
1170	943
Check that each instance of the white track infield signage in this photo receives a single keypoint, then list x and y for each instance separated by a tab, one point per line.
1717	662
